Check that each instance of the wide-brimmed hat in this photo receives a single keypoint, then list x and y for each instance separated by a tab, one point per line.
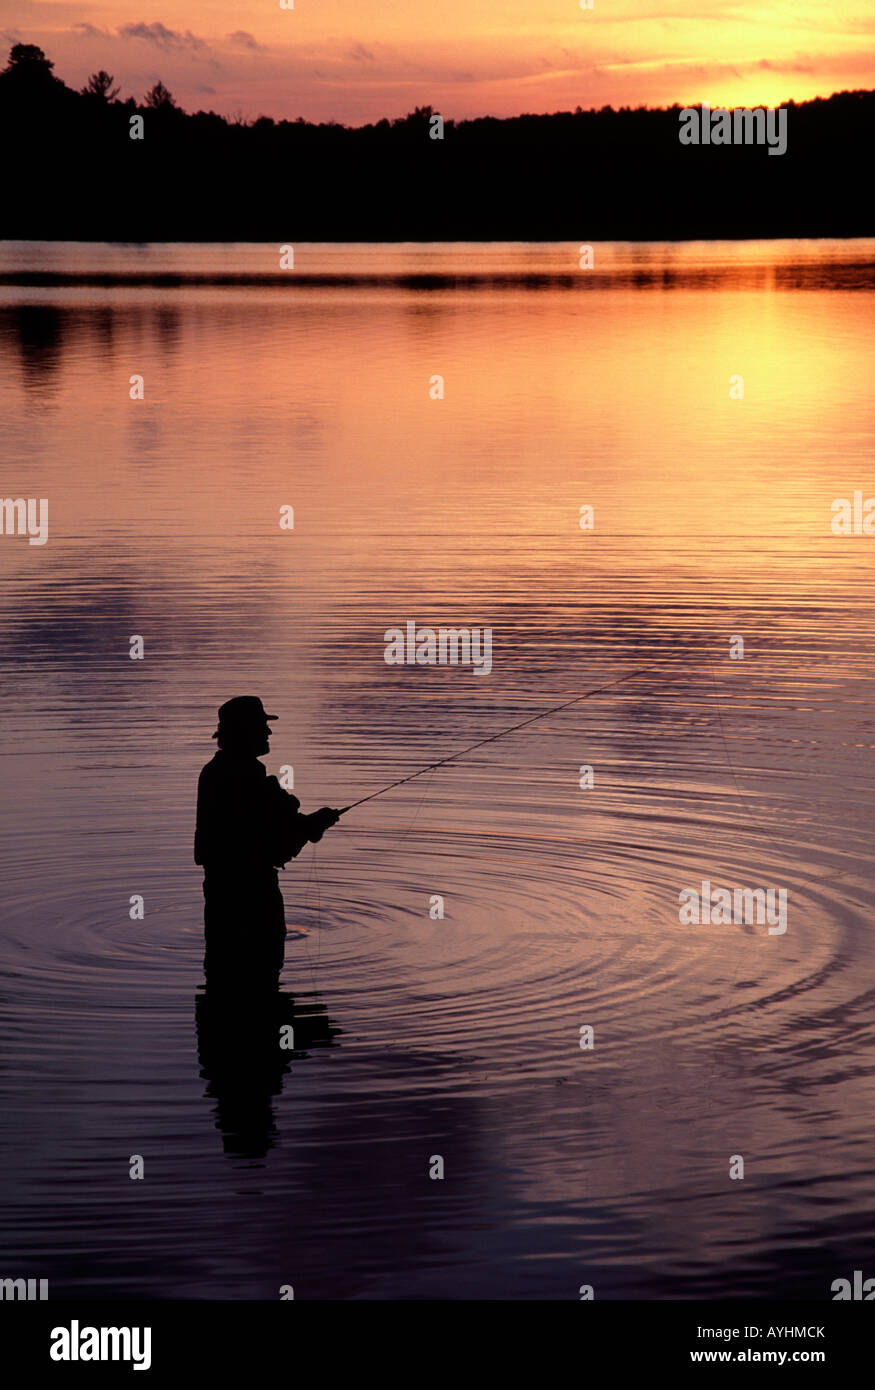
243	712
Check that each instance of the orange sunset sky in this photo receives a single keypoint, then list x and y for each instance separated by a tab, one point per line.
357	60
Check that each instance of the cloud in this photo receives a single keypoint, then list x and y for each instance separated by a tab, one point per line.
244	40
359	54
784	67
90	31
701	66
168	39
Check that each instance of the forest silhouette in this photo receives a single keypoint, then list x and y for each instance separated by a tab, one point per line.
75	173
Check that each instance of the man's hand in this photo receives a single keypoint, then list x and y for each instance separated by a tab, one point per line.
322	820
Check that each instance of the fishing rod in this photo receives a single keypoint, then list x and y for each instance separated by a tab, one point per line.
597	690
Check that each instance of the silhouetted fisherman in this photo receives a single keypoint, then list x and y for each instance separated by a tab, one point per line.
247	826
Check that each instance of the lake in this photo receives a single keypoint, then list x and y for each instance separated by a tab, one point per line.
438	416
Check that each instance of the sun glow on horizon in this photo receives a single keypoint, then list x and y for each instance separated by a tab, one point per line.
359	62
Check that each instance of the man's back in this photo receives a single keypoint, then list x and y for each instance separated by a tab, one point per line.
246	823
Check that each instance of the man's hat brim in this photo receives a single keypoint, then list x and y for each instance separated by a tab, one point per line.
242	721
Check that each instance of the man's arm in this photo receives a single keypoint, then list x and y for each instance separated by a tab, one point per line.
291	829
320	821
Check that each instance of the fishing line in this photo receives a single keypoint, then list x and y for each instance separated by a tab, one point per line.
453	757
427	788
830	876
318	916
431	767
312	882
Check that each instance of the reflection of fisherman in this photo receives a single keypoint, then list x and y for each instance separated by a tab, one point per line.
247	825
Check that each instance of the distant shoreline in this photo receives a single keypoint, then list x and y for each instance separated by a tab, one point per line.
83	167
786	275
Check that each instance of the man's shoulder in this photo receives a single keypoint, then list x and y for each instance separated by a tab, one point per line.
210	769
222	768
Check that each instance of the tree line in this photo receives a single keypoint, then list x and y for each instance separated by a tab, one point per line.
80	166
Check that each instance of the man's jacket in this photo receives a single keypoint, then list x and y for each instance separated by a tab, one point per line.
246	822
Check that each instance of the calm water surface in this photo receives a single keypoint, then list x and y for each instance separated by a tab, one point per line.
460	1037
